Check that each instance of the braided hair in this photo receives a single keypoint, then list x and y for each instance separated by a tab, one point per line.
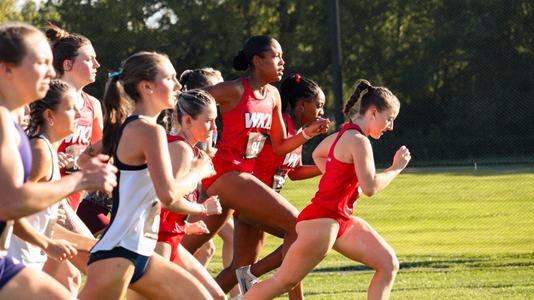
57	91
189	79
366	96
192	103
198	78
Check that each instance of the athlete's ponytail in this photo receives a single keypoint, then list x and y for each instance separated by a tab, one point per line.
255	45
65	46
240	61
121	92
115	109
366	95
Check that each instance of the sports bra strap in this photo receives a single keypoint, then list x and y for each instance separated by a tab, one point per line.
116	160
54	163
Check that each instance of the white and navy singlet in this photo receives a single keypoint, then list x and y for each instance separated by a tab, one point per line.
135	213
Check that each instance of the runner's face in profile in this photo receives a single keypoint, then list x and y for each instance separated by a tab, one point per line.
270	63
31	78
203	126
166	85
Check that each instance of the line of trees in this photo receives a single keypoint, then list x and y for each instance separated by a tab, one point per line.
463	70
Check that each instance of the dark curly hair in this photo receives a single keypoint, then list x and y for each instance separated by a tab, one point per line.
58	89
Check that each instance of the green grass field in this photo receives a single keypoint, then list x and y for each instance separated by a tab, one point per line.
459	233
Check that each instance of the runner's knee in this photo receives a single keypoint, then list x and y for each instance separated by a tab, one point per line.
389	264
209	249
286	281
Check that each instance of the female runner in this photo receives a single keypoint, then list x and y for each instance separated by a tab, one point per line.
348	164
75	63
302	104
251	111
196	113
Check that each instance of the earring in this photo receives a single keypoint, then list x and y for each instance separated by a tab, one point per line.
50	123
68	67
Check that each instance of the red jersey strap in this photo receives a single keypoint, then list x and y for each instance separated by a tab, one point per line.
246	87
87	101
247	90
173	138
347	126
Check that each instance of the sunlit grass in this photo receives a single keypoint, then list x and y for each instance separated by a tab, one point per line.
459	233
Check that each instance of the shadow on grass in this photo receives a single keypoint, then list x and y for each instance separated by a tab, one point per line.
336	292
442	264
481	170
407	289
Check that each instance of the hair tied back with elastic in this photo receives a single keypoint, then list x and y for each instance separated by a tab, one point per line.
115	74
362	93
240	61
60	33
297	78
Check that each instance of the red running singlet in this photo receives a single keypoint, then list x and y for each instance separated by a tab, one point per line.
172	225
272	169
338	188
77	142
245	129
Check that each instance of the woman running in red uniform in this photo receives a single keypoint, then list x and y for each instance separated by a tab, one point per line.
348	164
195	112
251	111
195	79
302	104
75	63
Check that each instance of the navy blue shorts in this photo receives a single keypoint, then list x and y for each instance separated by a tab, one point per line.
140	262
8	270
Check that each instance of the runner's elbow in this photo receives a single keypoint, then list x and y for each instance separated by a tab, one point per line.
165	198
368	191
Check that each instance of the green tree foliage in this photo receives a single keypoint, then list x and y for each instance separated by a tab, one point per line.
462	69
8	11
27	11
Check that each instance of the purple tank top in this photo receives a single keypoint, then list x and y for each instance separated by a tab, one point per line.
25	152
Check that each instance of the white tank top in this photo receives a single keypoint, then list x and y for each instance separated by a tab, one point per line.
134	221
43	222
